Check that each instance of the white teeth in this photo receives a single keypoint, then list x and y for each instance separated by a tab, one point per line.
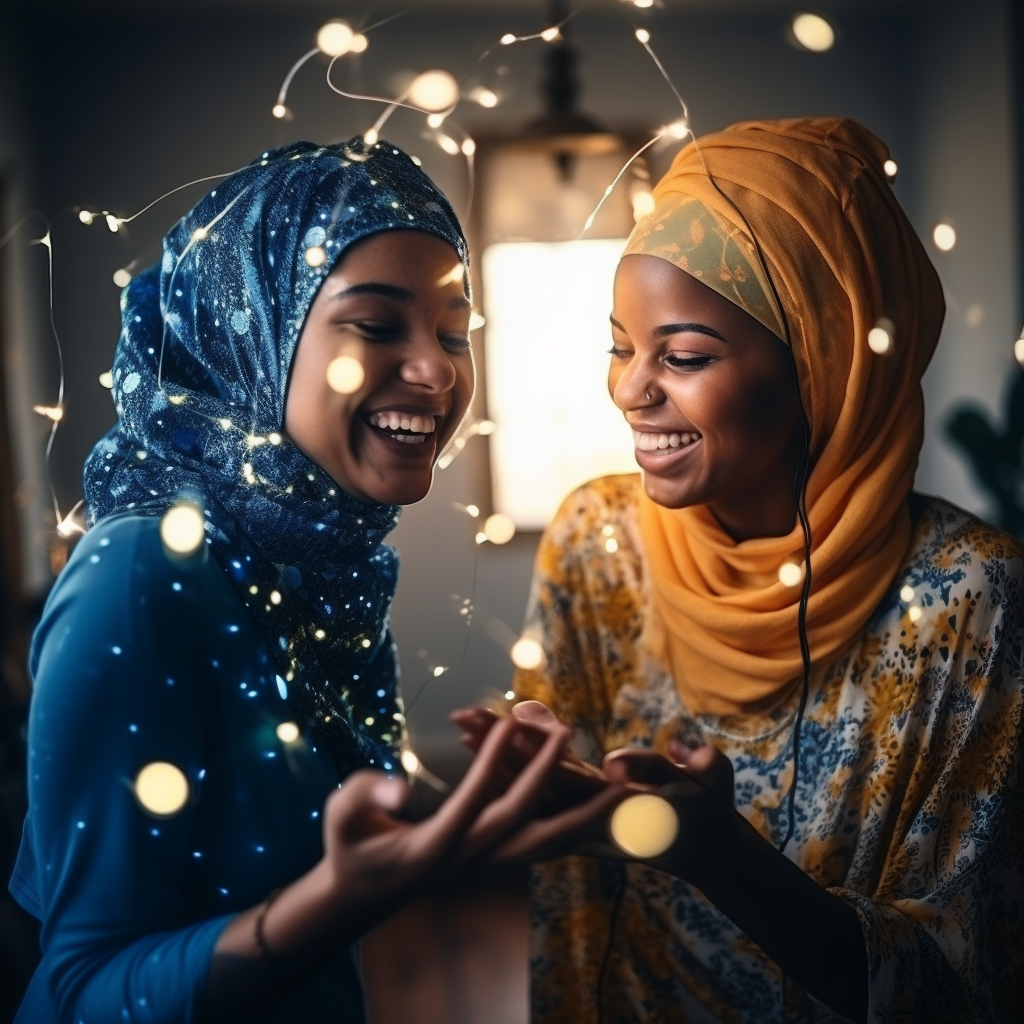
415	424
660	442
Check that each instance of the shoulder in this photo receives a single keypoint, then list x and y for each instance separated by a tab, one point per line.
605	501
955	549
122	588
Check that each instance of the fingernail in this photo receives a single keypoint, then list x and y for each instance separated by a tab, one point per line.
390	794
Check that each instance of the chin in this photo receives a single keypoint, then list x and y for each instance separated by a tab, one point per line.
666	496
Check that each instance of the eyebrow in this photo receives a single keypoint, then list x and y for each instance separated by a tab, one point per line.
392	291
665	330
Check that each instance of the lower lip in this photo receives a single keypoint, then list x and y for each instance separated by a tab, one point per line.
661	460
424	450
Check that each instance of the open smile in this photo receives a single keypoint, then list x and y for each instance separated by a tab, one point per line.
664	443
403	427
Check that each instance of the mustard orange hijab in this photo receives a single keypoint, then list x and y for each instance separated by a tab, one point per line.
841	255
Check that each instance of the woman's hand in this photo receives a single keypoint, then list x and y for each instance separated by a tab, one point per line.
698	784
571	782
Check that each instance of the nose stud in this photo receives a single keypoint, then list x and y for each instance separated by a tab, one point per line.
647	394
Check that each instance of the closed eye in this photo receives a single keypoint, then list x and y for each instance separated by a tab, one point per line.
688	362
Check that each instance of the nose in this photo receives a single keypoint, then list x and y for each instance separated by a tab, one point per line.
630	384
427	364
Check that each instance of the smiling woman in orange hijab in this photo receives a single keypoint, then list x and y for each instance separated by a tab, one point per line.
823	667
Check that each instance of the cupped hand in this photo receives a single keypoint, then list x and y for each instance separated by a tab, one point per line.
376	861
698	783
572	781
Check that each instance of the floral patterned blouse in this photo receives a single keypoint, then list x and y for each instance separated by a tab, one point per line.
909	804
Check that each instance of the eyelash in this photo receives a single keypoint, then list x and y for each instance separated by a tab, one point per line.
388	332
676	362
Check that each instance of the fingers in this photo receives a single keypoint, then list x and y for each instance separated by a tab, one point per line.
560	834
534	712
522	798
642	766
363	804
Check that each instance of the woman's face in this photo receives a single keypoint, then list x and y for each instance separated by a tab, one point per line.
722	425
394	303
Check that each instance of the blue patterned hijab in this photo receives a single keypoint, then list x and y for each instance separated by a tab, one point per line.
200	377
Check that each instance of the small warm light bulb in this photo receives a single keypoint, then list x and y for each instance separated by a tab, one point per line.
484	427
643	204
50	412
161	788
499	529
813	32
370	136
944	236
279	111
891	168
112	222
275	597
435	120
316	256
677	129
434	90
122	278
907	594
472	510
507	39
410	762
881	335
200	234
182	528
468	147
440	671
549	35
106	379
485	97
643	35
510	695
448	144
611	545
790	574
645	825
85	216
1018	349
359	43
914	612
287	732
345	374
527	653
335	38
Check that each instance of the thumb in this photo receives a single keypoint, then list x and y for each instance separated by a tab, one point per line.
362	794
534	712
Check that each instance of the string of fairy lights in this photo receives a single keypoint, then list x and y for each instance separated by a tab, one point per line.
434	94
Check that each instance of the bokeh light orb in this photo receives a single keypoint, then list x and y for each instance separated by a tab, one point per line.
499	529
161	788
880	337
183	528
891	168
335	38
434	90
813	32
410	762
907	593
527	653
316	256
287	732
122	277
345	374
645	825
944	236
790	574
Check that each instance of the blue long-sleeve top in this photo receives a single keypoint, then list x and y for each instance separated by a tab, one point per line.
143	658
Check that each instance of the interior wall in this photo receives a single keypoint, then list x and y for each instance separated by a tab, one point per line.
125	108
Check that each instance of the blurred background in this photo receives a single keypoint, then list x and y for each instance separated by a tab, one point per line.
105	105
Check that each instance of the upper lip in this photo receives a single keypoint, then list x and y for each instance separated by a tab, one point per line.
650	428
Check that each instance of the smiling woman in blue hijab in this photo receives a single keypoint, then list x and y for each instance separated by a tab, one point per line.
194	709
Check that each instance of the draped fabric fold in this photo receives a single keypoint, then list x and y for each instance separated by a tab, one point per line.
808	203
